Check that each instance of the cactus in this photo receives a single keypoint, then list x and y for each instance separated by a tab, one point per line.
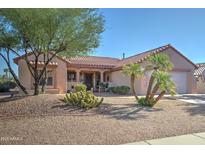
84	99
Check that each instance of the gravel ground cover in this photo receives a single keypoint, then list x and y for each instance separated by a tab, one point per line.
119	120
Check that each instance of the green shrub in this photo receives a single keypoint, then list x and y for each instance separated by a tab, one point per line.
80	87
104	84
121	90
11	84
82	99
5	86
142	101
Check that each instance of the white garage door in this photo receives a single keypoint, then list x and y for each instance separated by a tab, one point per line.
180	79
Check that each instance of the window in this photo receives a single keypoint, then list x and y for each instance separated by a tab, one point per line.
71	76
49	78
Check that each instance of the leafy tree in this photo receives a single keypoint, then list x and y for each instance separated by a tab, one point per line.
158	62
134	71
52	32
8	41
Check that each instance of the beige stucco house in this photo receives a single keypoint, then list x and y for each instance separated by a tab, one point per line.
64	73
200	77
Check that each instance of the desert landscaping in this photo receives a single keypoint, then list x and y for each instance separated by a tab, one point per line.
44	119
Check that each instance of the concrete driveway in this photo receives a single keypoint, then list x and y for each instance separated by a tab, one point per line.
193	98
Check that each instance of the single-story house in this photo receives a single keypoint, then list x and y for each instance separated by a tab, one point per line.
65	73
200	77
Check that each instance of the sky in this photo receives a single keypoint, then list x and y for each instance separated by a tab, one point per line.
136	30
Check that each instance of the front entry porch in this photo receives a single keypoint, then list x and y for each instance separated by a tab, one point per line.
91	78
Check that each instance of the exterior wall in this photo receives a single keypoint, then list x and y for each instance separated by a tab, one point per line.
24	74
200	86
119	79
59	74
178	60
191	82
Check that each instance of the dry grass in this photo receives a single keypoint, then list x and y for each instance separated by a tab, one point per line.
46	120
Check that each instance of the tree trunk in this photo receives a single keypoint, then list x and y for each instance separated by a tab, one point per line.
17	80
149	87
133	87
45	76
160	96
36	88
154	91
36	77
44	83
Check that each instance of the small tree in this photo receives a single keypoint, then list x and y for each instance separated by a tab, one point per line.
8	42
158	62
160	81
163	84
133	71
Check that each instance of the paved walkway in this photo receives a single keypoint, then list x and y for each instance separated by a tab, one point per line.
190	139
193	98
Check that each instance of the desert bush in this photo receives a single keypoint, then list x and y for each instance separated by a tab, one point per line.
11	84
84	99
121	90
104	84
80	87
5	86
142	101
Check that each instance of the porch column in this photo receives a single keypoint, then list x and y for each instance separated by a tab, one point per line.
101	76
78	75
94	81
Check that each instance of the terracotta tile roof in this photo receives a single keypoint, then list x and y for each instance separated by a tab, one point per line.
93	61
200	70
113	63
42	63
16	59
142	56
145	55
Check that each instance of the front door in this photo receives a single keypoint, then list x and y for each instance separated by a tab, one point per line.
88	80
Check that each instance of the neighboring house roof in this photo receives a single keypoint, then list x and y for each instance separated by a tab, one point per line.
200	70
114	63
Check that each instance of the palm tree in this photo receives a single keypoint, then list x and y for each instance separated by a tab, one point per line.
163	83
158	62
134	71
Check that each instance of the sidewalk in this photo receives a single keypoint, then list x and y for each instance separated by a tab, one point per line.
190	139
